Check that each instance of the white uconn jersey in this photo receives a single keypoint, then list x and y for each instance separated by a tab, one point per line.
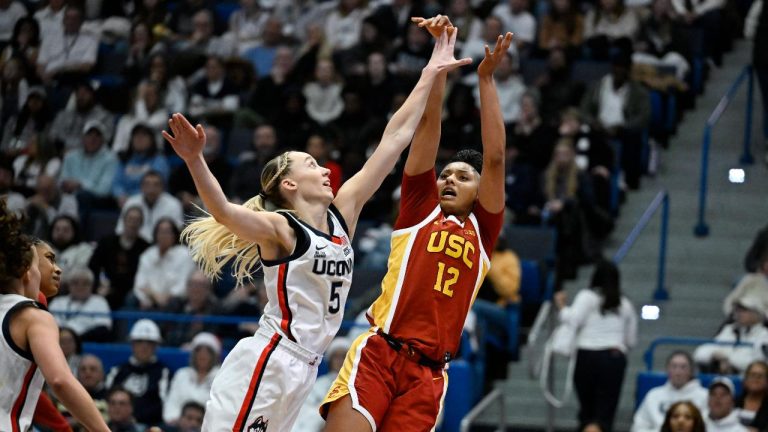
20	380
307	290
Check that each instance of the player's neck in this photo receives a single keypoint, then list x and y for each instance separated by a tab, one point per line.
315	214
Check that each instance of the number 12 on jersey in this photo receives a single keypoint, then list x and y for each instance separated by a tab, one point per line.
442	283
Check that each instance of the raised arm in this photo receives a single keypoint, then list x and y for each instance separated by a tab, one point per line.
397	135
492	128
268	229
43	339
422	155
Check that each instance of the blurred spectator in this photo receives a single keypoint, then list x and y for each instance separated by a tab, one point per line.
568	193
14	200
197	299
753	286
654	45
24	44
413	54
721	415
270	88
249	300
246	178
344	23
51	18
69	54
683	416
163	268
73	310
347	134
379	86
394	18
509	87
148	111
191	420
562	28
67	242
39	160
262	56
214	95
756	259
608	25
474	47
154	13
69	125
756	30
535	139
183	17
752	404
461	126
202	41
517	19
620	108
680	386
705	15
247	24
352	60
32	122
155	204
309	419
10	11
181	184
463	17
13	89
143	375
140	158
71	346
193	383
317	147
292	120
120	408
605	325
323	93
747	327
558	91
116	259
523	190
141	47
90	373
173	90
46	205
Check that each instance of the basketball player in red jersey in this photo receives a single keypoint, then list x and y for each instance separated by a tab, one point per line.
394	377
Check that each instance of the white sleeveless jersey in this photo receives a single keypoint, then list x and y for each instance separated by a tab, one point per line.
307	290
20	380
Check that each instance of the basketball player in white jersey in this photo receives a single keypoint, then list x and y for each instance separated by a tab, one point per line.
29	343
306	253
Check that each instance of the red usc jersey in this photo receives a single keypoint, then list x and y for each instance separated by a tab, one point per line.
436	265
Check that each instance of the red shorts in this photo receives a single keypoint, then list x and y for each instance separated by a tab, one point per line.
393	392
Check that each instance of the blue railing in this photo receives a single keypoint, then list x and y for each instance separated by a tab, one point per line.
702	229
661	200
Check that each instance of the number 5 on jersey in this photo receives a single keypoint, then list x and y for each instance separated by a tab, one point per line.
334	303
445	279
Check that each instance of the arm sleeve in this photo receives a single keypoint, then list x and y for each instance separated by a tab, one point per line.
575	314
418	197
172	402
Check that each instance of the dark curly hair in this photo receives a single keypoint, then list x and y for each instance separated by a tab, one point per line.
15	248
471	157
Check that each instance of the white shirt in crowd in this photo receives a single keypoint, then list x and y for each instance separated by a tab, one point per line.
8	18
167	206
729	423
523	25
598	331
74	314
650	415
738	356
612	103
185	387
51	23
324	103
510	93
165	274
67	50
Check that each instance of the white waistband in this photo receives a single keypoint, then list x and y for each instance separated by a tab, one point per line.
303	354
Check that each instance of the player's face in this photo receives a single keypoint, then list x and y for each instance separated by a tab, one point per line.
458	185
310	179
50	273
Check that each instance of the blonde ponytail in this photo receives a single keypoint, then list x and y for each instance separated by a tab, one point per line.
212	245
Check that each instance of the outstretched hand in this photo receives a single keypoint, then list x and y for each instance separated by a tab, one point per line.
443	59
493	58
187	140
435	25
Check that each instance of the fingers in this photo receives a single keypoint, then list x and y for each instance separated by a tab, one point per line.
507	42
183	120
487	51
174	126
418	20
455	33
169	138
497	48
200	131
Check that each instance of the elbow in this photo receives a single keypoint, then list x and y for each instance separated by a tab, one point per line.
58	384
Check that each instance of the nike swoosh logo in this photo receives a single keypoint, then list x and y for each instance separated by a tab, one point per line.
318	247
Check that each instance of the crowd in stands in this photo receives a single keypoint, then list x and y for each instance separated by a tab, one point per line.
86	86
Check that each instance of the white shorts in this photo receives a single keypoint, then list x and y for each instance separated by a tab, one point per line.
261	386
